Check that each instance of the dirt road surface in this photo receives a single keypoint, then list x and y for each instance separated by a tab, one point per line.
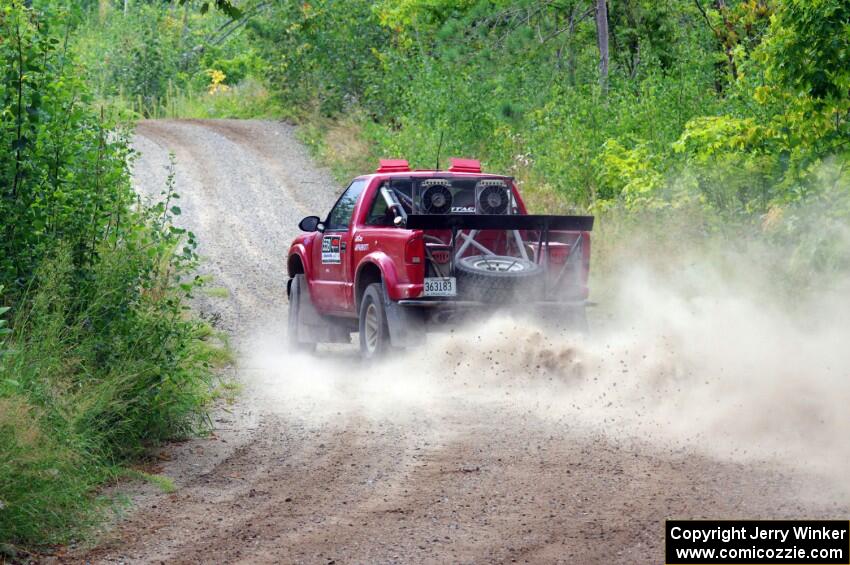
322	460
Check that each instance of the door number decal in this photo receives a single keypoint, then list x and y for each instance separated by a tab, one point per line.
330	249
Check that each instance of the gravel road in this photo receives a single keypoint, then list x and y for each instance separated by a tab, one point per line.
425	460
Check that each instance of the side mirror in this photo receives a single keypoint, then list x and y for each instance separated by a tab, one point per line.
310	224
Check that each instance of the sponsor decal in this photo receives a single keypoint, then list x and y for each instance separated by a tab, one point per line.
330	249
463	209
361	247
358	238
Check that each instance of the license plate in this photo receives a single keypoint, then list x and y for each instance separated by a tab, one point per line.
437	286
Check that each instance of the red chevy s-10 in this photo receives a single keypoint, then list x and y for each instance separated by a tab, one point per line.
405	250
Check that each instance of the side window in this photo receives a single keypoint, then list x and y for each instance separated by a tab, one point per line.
379	213
340	216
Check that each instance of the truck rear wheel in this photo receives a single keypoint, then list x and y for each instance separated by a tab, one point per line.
374	331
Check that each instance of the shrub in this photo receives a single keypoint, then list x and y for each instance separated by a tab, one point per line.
101	359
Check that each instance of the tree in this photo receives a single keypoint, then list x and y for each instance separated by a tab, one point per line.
602	42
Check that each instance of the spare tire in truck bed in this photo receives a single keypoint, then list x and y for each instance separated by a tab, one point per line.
498	279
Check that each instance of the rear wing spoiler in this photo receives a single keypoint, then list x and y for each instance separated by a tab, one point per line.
498	222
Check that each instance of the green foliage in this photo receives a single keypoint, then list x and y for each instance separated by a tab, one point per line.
247	99
165	484
632	175
511	82
308	64
790	115
96	383
731	108
62	177
156	57
732	162
225	6
731	105
807	50
45	480
101	359
138	57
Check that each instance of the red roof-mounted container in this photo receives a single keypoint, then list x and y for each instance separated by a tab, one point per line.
393	166
464	165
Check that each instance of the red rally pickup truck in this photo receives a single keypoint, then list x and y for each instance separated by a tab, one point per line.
405	250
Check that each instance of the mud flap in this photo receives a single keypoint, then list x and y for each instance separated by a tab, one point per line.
407	325
315	328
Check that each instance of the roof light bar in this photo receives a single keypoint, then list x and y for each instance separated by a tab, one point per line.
392	166
457	165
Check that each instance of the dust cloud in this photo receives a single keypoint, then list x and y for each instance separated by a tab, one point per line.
693	359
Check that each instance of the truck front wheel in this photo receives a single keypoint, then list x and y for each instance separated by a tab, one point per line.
297	291
374	331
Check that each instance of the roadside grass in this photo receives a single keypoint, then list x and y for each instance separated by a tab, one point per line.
216	292
228	390
249	99
100	356
47	476
82	392
165	484
212	291
341	144
214	347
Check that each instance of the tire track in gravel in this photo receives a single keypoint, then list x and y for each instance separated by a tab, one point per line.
301	478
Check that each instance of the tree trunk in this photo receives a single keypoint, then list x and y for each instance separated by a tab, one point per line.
126	7
571	56
185	33
728	40
602	42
